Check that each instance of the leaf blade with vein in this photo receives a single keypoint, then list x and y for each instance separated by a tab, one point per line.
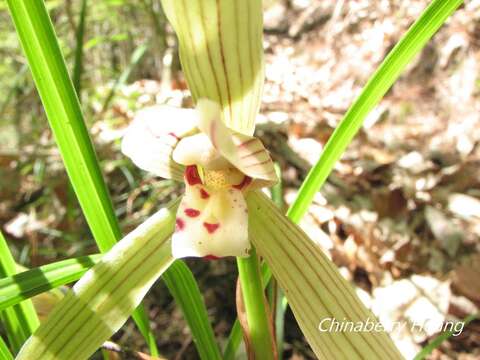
19	320
313	286
24	285
105	296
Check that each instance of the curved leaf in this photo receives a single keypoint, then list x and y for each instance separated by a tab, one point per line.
432	18
103	299
20	320
194	309
313	286
24	285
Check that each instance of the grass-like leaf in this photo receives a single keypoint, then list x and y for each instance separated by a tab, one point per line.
78	65
193	308
313	286
410	45
5	353
63	111
20	320
24	285
437	341
103	299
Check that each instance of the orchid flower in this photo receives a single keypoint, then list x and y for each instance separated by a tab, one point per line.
219	166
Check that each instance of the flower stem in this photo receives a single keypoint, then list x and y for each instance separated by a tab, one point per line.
258	319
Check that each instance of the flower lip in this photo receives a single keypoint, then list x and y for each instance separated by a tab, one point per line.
192	176
217	164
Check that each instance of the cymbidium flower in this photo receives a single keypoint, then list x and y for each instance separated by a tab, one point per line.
219	166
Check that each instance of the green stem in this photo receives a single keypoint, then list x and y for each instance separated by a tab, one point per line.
254	299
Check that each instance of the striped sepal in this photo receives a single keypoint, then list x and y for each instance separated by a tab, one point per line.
221	52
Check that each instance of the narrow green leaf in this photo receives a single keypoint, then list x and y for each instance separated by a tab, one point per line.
78	66
411	43
436	342
24	285
221	50
233	342
313	286
60	101
278	302
5	353
103	299
193	308
20	320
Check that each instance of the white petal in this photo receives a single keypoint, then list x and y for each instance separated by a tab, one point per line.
211	223
152	136
198	150
246	153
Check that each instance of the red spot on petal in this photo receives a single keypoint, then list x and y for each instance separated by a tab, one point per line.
204	194
211	257
245	182
211	228
192	176
191	212
180	224
173	134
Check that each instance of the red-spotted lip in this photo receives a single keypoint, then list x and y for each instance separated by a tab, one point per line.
191	212
211	228
192	176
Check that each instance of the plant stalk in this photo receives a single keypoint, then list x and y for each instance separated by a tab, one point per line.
259	322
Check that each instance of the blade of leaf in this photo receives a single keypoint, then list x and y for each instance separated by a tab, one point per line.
5	353
24	285
62	107
436	342
431	19
103	299
78	66
278	303
221	51
313	286
20	320
193	308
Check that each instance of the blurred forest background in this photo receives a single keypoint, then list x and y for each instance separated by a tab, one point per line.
400	215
